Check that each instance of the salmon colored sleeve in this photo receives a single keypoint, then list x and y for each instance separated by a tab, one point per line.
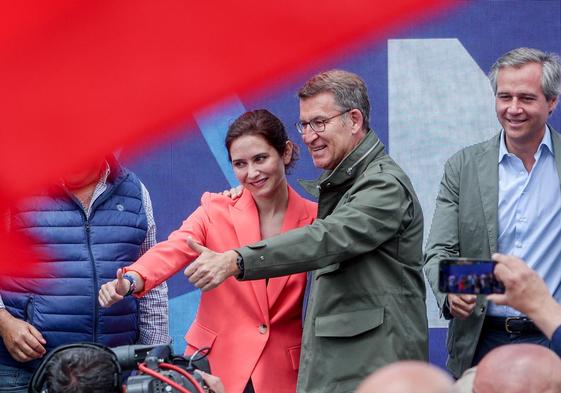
170	256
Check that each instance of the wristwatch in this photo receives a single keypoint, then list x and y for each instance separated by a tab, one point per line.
239	263
132	281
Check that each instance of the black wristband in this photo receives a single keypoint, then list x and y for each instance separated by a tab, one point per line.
132	281
239	263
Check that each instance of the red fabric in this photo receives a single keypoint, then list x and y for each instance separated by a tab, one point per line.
120	72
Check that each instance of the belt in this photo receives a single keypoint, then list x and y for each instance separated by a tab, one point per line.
512	325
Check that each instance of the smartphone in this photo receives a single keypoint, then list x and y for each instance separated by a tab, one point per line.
468	276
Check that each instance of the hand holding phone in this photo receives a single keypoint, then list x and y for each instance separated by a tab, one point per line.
461	306
468	276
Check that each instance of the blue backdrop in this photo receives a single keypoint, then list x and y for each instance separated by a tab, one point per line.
429	97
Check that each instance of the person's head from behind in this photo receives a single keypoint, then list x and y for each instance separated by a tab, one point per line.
260	152
518	368
334	116
526	83
407	376
82	370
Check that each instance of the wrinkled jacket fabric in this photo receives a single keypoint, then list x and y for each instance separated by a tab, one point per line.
367	302
465	223
77	256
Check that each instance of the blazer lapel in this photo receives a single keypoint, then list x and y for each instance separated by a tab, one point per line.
296	215
489	188
245	218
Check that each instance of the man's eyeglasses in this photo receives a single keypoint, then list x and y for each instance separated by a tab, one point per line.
317	125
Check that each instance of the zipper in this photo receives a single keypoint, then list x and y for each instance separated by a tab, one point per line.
95	278
350	169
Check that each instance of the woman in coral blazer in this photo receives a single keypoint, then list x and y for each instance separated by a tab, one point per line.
252	327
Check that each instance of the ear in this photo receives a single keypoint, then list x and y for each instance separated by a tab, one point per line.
287	154
357	120
552	104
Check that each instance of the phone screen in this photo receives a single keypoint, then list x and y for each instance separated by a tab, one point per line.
468	276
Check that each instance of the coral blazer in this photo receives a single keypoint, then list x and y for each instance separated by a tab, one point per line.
253	328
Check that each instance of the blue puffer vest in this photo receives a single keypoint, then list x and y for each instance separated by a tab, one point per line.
78	255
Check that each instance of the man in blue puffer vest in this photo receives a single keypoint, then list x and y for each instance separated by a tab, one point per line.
96	221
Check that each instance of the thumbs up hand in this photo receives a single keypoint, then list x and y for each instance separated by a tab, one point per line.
210	268
114	291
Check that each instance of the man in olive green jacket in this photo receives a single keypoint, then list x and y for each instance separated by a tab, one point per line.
367	301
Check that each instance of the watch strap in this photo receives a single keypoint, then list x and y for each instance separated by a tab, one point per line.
132	281
239	263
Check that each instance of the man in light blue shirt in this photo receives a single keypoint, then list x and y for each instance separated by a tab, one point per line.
502	195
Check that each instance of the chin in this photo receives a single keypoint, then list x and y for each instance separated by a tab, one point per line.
320	163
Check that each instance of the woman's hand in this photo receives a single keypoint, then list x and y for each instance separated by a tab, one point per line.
114	291
233	193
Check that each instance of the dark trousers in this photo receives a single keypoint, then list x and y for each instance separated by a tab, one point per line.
490	339
249	388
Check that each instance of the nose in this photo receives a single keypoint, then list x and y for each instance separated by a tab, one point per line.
309	136
252	171
514	106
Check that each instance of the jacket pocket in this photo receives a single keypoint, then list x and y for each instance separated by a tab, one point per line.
294	353
349	324
327	269
29	311
199	337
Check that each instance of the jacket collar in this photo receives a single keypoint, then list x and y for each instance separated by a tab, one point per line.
370	148
245	219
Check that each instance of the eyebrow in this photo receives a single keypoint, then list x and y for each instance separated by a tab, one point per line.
251	158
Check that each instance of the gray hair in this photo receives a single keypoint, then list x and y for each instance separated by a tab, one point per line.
550	62
348	89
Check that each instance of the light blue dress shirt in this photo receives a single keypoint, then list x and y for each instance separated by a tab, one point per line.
529	215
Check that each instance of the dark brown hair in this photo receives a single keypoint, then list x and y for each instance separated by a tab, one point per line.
263	123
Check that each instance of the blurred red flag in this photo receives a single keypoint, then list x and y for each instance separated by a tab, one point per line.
80	79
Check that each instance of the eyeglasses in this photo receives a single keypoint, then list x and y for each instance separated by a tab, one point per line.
317	125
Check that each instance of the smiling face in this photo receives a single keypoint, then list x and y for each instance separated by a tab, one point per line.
521	106
341	134
258	166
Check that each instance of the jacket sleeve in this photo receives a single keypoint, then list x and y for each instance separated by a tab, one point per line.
170	256
443	239
369	213
556	341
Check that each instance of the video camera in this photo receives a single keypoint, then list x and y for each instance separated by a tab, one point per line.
157	370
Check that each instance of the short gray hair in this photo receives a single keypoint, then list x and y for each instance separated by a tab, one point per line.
348	89
550	62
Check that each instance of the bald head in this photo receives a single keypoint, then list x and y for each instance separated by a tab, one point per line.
519	368
407	377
